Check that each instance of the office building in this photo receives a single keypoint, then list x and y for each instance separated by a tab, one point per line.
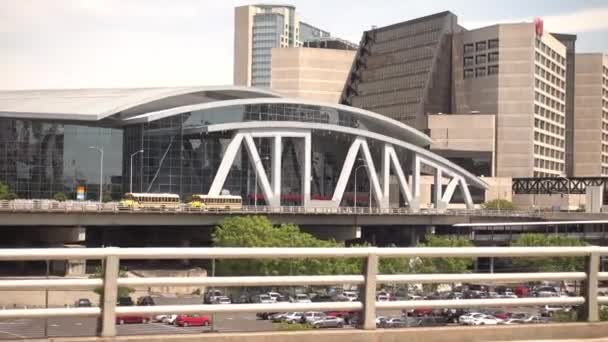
404	70
591	113
316	71
258	29
518	72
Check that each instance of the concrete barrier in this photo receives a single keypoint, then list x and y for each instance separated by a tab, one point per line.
549	332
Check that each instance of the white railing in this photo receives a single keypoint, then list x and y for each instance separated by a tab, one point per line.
368	280
115	207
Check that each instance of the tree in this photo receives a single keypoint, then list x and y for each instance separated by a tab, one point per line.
106	197
549	264
60	196
122	291
258	231
443	265
6	193
499	204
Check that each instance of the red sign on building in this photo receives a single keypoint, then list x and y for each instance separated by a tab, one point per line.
538	26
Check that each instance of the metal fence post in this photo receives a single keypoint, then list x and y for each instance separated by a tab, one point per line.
369	291
110	296
592	267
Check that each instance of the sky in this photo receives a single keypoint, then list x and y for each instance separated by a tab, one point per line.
151	43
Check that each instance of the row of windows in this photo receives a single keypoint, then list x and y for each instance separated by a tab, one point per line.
549	127
401	96
392	70
549	114
559	70
480	72
548	88
402	56
550	52
604	171
548	164
492	57
480	46
417	80
548	152
605	71
549	77
548	139
545	174
547	101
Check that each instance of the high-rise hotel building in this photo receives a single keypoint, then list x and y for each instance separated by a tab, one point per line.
518	72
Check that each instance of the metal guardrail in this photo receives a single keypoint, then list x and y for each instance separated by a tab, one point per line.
115	207
368	280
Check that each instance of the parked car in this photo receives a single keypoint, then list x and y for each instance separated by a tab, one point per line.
265	299
394	322
429	321
293	317
301	298
192	320
276	297
382	298
321	298
125	301
466	318
482	319
511	321
164	318
535	320
126	319
222	300
546	291
351	295
328	322
346	315
145	301
312	316
83	303
420	312
212	295
548	311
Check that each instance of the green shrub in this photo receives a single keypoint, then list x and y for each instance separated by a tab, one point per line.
60	196
292	327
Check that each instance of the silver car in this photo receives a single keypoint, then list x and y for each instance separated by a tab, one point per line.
328	322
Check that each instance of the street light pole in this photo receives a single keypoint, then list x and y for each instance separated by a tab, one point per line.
131	174
100	150
255	185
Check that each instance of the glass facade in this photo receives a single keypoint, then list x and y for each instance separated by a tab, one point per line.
40	158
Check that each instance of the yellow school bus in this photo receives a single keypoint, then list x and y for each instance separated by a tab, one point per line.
221	202
150	201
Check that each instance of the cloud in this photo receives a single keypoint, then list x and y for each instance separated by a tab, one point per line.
584	20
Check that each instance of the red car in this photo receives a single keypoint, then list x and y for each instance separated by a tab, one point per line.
131	319
192	320
421	312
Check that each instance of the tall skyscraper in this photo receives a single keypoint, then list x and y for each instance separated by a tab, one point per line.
591	115
258	29
404	70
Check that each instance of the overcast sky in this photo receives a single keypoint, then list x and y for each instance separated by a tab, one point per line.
134	43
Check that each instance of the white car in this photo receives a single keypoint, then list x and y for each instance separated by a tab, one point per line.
313	316
274	296
382	298
466	318
482	319
350	295
265	299
508	294
168	319
328	322
278	317
511	321
222	300
301	298
293	317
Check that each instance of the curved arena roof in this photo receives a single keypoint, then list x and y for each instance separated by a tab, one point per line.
97	104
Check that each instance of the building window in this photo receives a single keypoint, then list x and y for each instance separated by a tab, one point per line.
493	70
480	46
468	61
493	44
480	59
493	57
480	72
469	48
468	73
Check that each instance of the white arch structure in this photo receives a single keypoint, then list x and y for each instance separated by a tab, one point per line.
379	176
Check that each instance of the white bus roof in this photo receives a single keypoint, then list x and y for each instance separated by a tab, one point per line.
151	195
218	196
